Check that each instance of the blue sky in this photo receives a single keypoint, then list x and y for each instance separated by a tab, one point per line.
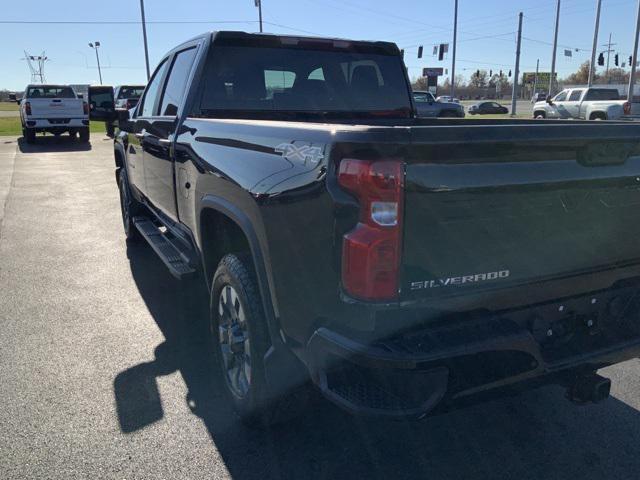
486	31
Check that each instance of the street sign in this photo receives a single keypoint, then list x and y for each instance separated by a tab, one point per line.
543	78
433	72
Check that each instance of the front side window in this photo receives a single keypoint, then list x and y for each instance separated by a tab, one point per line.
174	91
561	97
278	81
153	91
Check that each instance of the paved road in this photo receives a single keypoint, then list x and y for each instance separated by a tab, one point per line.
9	113
101	374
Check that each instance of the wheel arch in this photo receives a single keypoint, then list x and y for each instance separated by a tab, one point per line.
240	231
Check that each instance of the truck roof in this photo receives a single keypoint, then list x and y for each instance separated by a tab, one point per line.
222	37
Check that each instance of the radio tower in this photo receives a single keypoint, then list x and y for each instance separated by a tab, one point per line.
36	66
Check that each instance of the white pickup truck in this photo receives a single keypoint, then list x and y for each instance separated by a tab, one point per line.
55	109
584	104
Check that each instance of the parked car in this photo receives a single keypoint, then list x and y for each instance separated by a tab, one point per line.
380	255
427	106
54	109
584	103
487	108
538	97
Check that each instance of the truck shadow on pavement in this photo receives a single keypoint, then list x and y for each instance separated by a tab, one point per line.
537	435
49	143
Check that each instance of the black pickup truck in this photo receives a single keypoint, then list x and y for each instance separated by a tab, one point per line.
404	265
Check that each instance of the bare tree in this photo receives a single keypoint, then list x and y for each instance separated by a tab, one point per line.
479	79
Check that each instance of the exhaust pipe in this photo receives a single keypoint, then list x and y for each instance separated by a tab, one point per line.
589	388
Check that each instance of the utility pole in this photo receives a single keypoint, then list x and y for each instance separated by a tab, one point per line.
95	46
144	36
555	51
514	99
535	80
592	66
632	78
609	50
259	5
455	44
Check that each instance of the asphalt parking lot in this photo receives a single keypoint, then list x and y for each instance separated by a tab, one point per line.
103	373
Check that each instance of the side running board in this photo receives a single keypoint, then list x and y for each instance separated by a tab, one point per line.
176	262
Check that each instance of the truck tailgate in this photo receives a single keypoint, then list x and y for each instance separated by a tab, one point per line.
56	107
488	207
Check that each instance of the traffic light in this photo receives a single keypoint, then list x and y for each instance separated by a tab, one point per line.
601	59
420	51
630	60
509	73
478	73
501	73
616	60
491	73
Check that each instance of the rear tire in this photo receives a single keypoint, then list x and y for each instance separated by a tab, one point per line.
539	115
240	340
129	208
84	134
29	135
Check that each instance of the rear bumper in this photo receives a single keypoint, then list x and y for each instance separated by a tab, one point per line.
417	373
56	123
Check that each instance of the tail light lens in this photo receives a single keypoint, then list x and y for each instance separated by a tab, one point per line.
371	251
27	108
627	108
85	108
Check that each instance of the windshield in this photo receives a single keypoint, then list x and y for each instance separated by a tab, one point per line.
290	80
130	93
45	91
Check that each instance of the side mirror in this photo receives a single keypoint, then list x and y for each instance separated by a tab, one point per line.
550	101
18	100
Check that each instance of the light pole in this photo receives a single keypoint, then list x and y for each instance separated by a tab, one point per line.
592	65
634	60
95	46
555	51
259	5
455	42
144	36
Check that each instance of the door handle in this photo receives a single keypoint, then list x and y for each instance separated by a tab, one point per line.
164	141
139	135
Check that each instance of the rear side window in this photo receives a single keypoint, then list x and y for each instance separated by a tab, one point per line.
575	95
174	91
153	91
45	91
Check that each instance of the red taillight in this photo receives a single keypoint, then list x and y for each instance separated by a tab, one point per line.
627	108
371	251
85	108
27	108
